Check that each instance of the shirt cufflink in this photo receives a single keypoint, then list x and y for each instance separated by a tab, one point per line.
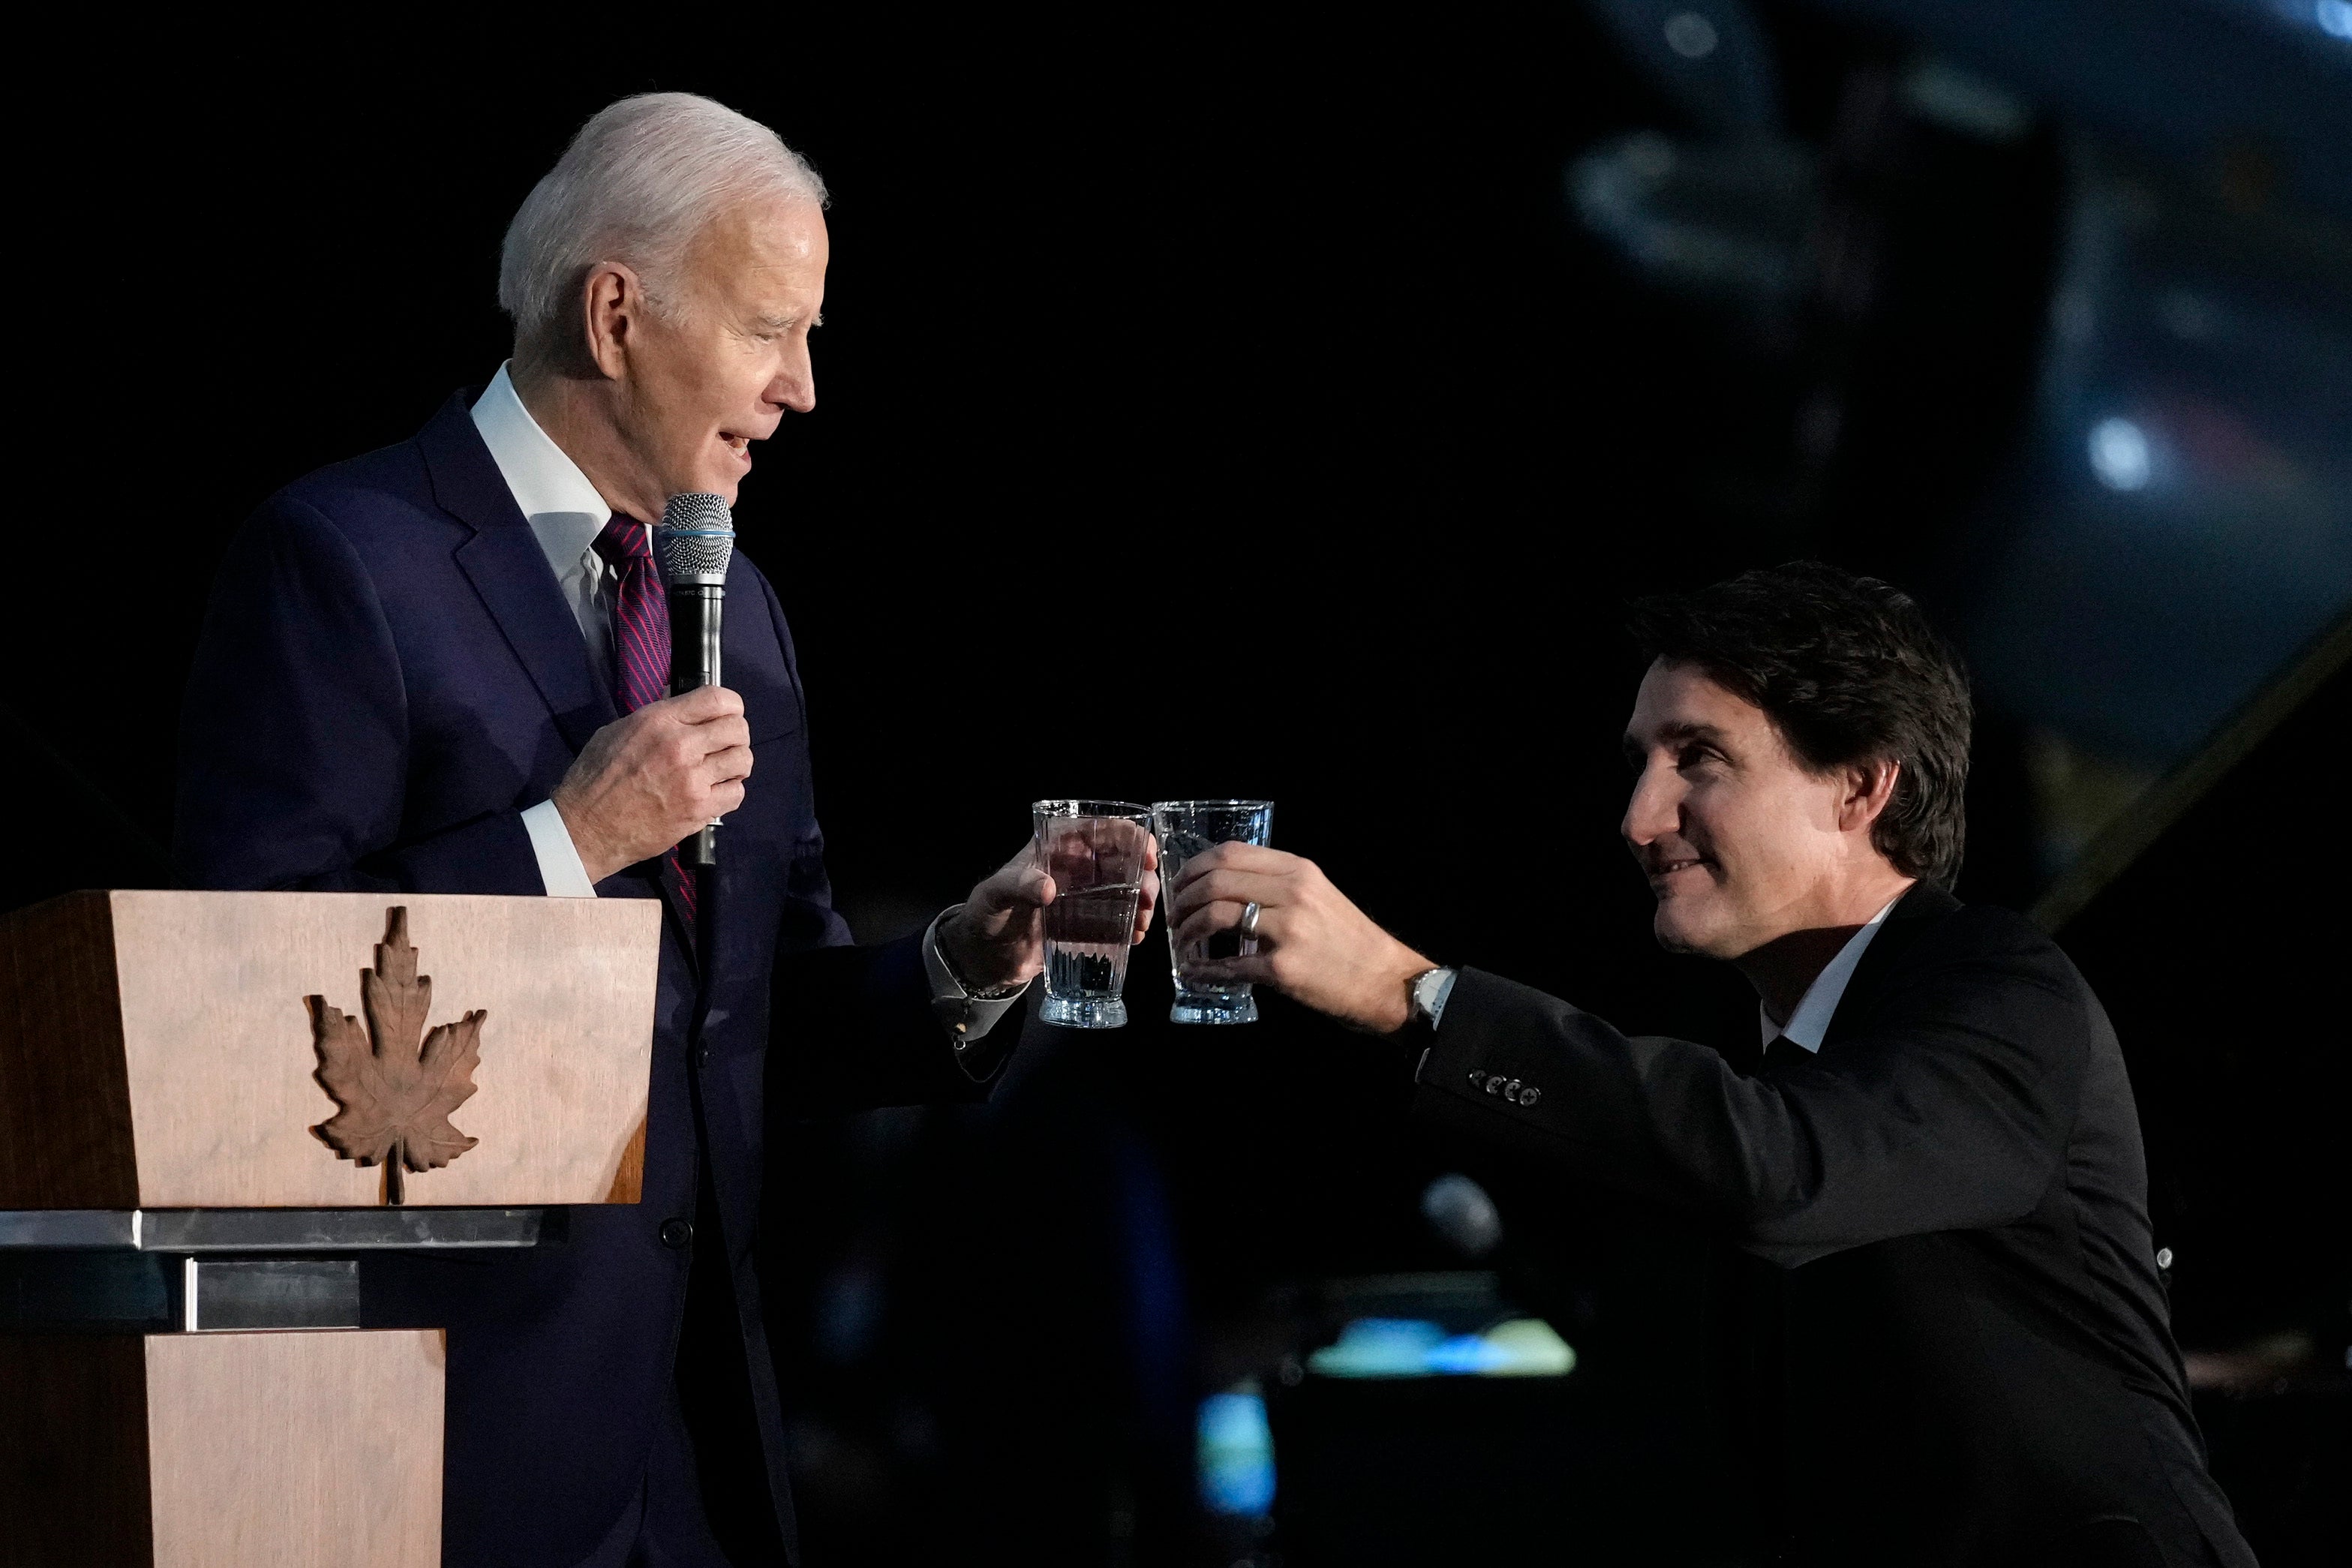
560	870
966	1014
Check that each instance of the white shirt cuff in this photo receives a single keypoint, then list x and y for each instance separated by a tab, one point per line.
558	859
964	1015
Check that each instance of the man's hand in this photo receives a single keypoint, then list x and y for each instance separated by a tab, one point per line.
1313	944
645	782
998	938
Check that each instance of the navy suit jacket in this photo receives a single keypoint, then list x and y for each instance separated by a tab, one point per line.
388	677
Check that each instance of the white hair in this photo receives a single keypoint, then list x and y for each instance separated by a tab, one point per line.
639	182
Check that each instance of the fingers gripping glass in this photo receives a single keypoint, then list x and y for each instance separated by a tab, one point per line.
1095	851
1186	827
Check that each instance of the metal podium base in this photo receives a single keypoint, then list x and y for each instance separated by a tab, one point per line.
208	1271
159	1414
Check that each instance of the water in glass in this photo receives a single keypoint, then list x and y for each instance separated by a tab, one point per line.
1186	827
1095	851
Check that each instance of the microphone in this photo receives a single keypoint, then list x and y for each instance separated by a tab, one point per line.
694	542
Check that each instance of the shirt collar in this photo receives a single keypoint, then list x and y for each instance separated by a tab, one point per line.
564	510
1809	1026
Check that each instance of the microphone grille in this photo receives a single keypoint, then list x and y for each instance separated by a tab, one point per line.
695	541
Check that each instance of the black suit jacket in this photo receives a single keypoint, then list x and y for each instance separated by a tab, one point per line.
388	678
1966	1353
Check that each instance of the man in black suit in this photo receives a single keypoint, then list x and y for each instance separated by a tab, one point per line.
1936	1154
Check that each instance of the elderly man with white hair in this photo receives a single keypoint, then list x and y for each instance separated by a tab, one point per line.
442	668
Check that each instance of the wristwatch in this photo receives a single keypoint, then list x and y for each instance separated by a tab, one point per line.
1428	992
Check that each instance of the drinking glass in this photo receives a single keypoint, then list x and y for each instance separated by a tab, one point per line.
1186	827
1095	851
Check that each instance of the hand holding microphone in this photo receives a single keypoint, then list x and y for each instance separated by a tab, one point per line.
665	775
693	545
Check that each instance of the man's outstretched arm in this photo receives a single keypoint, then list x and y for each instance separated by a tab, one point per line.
920	1019
1948	1112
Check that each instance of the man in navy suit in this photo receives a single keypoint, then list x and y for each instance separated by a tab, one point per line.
423	671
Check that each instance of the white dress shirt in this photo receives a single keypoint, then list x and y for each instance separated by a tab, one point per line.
566	513
1809	1026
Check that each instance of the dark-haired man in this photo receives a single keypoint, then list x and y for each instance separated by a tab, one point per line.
1936	1146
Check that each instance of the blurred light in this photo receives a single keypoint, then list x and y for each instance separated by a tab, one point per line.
1960	101
1464	1355
1411	1347
2119	455
1729	220
1458	1209
1379	1347
1236	1453
2335	19
1526	1347
1690	34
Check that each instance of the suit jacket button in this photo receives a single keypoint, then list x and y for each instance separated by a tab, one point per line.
1511	1089
1530	1095
677	1233
1494	1084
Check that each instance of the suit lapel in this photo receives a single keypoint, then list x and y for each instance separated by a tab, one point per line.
508	569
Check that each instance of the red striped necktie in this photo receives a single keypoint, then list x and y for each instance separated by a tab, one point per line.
640	636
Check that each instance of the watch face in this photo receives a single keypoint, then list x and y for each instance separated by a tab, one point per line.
1424	992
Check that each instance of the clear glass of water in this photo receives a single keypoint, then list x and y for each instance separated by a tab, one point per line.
1186	827
1095	851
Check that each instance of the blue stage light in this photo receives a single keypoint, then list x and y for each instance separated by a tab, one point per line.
1236	1448
2120	455
1412	1347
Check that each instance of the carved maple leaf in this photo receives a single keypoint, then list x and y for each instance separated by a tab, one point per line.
394	1096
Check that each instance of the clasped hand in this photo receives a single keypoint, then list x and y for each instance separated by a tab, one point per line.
998	938
1313	943
645	782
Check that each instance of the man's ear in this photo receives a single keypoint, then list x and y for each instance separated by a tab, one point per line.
1870	789
612	298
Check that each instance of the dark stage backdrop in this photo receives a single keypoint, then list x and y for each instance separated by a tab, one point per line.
1220	407
1209	413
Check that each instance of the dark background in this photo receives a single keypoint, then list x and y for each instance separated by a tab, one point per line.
1222	404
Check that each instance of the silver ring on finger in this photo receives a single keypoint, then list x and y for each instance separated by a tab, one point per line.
1248	926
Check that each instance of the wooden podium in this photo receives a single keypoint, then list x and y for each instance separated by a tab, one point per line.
214	1109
